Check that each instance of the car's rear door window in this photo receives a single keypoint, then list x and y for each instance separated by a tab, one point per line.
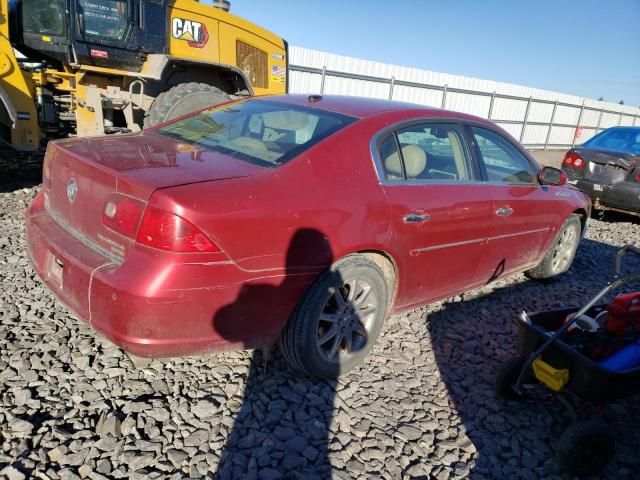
503	162
425	151
259	131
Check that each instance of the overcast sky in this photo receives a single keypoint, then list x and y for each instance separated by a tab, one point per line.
588	48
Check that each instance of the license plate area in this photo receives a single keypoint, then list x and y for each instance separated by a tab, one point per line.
598	188
54	268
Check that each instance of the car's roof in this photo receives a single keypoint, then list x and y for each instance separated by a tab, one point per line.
623	127
355	106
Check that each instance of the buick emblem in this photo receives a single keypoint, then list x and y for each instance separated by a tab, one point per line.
72	189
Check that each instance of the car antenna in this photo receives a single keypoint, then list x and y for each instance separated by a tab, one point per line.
314	98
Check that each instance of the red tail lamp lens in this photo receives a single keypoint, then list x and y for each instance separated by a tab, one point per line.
638	176
573	159
167	231
122	214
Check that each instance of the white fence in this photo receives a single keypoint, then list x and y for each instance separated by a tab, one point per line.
538	118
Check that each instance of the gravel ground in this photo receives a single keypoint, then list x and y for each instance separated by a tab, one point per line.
72	405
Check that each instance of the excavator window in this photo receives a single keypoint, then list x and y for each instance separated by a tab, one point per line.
44	17
103	19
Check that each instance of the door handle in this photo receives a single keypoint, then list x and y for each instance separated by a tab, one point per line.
416	217
504	211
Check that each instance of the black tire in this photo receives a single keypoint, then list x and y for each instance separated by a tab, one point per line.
182	99
300	341
585	448
506	377
560	255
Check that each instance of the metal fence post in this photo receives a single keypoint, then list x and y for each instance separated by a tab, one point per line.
635	117
526	117
573	142
393	82
553	116
599	120
324	74
493	98
620	118
444	97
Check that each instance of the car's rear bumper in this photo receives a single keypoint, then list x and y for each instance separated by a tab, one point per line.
619	197
152	306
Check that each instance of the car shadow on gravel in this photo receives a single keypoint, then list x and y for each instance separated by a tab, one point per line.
281	430
470	335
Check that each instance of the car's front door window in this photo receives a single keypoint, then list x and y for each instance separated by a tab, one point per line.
503	162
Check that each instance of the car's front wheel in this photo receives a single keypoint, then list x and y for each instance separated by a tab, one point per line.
338	320
560	255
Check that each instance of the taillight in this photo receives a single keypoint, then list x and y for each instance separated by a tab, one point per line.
36	204
122	214
167	231
46	167
573	159
638	175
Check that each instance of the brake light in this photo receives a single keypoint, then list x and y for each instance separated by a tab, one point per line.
37	204
167	231
573	159
46	167
638	176
122	214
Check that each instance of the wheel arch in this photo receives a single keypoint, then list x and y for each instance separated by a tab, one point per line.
168	71
584	216
389	268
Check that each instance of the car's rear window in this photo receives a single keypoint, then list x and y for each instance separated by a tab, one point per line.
259	131
617	139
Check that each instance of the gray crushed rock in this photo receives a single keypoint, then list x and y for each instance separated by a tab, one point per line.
72	405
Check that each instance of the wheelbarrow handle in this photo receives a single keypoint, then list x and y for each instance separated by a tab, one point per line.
622	252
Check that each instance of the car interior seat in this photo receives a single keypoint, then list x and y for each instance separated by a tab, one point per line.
415	162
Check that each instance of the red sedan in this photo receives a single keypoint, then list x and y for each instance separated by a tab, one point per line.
302	220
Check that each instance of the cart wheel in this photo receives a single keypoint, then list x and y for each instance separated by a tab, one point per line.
507	377
585	448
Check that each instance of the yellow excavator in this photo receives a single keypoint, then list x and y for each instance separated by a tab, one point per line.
95	67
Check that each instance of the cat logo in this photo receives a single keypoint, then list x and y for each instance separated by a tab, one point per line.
195	33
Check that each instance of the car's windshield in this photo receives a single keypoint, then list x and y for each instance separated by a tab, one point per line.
259	131
617	139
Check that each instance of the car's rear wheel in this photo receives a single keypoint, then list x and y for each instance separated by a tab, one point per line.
560	255
338	320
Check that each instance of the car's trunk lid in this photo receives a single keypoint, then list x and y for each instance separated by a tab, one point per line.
609	167
81	175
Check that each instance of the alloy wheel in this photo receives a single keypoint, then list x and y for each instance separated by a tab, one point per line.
346	320
564	250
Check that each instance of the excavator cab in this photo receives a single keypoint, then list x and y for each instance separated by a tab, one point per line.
107	33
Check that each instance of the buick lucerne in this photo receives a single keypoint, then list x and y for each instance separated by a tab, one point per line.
297	220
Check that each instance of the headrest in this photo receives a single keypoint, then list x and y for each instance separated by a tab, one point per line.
415	161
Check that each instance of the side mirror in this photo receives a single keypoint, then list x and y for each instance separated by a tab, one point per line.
552	176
